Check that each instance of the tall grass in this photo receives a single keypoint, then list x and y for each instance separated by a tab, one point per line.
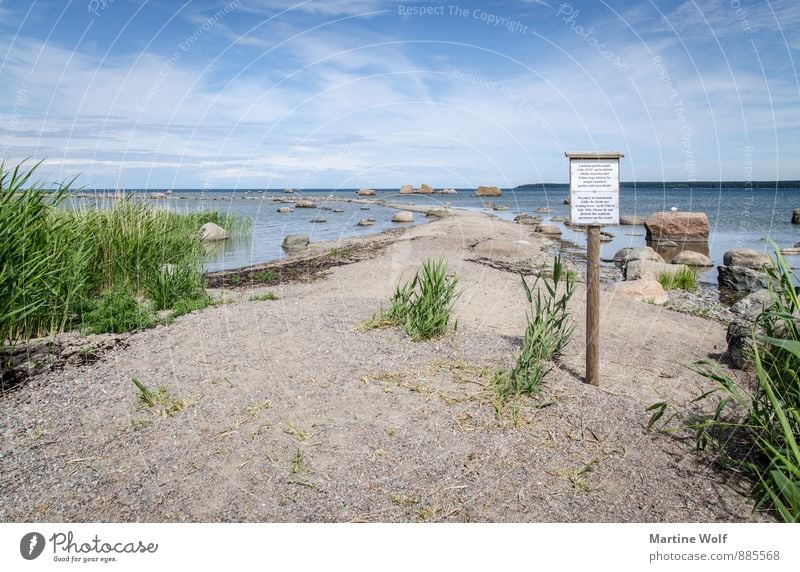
56	263
768	431
423	305
683	279
546	335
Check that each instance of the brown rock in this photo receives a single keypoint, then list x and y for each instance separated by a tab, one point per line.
406	189
425	189
679	226
488	192
365	192
691	258
305	204
449	192
645	290
746	258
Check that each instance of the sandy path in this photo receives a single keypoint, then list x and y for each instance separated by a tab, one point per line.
299	415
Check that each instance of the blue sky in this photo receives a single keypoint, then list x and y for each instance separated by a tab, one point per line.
352	93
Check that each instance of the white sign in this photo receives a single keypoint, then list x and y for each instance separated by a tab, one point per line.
594	191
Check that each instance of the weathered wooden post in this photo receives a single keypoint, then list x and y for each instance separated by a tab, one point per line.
594	202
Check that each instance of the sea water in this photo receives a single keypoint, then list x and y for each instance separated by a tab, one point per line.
738	217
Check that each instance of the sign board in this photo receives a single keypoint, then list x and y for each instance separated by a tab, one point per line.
594	201
594	191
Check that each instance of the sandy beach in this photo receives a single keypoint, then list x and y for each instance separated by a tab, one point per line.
293	412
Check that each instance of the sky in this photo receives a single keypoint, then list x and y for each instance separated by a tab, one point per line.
256	94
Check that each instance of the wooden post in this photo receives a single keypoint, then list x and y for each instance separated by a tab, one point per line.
594	202
593	306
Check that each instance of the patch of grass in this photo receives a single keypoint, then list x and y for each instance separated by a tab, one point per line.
269	296
547	334
423	306
684	279
236	279
159	400
341	252
268	276
188	305
299	464
297	432
140	424
58	257
117	311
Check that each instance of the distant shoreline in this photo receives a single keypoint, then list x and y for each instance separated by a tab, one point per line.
788	184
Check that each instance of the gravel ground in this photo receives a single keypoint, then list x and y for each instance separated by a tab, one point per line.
291	411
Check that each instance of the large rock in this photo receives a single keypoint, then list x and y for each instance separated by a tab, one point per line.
496	248
366	222
549	229
679	226
295	242
796	216
645	290
638	269
425	189
449	192
285	210
746	258
211	232
403	216
305	204
406	189
753	304
365	192
631	220
741	279
567	199
488	191
629	254
691	258
288	191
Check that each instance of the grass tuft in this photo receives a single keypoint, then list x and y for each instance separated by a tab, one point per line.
159	400
423	306
267	297
547	334
684	279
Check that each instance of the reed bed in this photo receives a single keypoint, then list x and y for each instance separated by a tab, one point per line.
63	266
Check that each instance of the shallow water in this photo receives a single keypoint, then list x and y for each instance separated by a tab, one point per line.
739	218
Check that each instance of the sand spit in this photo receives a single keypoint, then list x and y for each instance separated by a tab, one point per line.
292	412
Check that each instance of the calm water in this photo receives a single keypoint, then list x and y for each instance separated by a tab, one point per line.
739	218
